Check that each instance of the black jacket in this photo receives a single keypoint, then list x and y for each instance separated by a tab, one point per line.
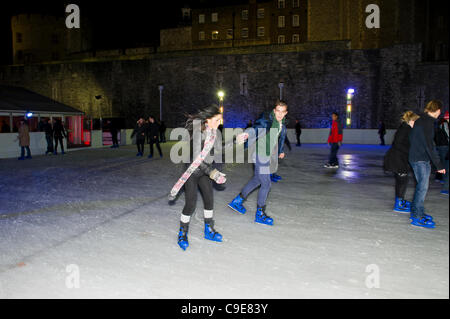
58	130
422	146
140	132
441	137
152	131
48	129
396	158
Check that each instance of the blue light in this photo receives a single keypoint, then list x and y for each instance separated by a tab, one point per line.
351	91
29	114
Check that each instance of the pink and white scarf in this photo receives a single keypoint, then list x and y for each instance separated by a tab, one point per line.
208	145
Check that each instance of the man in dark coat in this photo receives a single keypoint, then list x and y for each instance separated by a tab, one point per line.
48	129
153	136
421	154
140	131
59	133
298	132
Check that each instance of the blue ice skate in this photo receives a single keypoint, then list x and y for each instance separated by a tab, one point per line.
427	217
211	234
400	206
275	177
262	218
236	204
423	222
182	238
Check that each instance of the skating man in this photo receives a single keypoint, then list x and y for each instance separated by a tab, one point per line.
261	177
421	152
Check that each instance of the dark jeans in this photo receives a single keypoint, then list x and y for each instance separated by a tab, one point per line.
443	153
298	139
204	183
155	141
115	141
60	139
382	139
140	145
422	171
261	178
49	139
162	137
333	160
401	183
22	151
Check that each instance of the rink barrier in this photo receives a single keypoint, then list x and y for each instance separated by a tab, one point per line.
9	145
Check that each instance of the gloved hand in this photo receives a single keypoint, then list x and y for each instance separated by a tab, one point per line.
218	177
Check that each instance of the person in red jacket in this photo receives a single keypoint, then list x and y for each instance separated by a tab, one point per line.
335	141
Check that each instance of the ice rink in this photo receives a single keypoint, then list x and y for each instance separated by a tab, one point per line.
96	223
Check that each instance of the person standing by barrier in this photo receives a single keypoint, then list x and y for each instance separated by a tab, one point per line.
59	132
48	129
24	140
298	132
140	131
382	132
153	136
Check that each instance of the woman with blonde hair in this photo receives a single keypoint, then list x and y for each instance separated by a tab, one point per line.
396	161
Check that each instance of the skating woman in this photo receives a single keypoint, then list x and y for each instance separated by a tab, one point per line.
199	175
396	161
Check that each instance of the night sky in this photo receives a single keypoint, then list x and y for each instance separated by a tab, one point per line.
116	24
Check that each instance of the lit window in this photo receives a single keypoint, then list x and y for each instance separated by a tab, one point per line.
214	17
261	13
201	35
244	33
244	15
261	31
281	4
295	20
201	18
281	22
281	39
295	38
215	35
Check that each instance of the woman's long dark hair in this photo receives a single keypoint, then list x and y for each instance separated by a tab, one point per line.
202	115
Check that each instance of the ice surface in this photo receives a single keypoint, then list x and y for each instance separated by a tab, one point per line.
105	212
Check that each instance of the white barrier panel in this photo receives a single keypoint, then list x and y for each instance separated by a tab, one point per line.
9	145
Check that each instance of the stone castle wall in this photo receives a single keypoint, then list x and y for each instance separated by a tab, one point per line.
316	77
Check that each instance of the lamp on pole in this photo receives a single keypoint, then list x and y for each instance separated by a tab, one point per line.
350	93
161	88
221	95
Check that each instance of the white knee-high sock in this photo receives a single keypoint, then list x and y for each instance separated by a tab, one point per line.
185	219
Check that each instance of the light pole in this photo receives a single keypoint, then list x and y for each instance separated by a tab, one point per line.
161	88
281	86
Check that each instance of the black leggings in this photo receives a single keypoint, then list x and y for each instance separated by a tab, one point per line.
191	189
401	183
140	145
